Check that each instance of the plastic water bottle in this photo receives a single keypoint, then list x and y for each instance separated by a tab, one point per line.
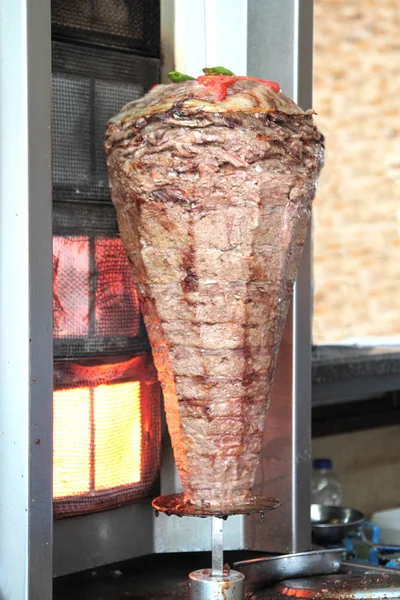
326	487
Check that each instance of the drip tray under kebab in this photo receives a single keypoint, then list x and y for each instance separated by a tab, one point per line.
342	586
175	504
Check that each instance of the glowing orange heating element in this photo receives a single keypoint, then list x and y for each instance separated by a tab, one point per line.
118	435
97	438
71	451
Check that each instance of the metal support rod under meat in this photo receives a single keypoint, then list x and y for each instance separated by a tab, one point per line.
217	547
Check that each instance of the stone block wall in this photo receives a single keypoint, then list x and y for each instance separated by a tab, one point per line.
357	211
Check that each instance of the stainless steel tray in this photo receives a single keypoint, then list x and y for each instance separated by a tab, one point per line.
260	572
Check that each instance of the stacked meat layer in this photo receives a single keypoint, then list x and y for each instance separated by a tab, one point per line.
213	202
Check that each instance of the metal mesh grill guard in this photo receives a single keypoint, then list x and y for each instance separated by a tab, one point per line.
95	305
132	24
89	86
105	53
106	434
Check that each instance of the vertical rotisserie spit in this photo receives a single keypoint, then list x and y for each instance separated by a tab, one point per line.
213	181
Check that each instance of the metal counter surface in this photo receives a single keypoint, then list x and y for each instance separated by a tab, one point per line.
354	388
156	577
333	362
343	373
163	577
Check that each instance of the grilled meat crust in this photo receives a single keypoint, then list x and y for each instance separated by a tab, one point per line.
213	209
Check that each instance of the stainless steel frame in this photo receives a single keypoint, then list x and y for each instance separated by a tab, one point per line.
282	34
25	301
276	44
269	38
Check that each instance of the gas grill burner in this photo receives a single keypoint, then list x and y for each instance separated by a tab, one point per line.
217	583
344	586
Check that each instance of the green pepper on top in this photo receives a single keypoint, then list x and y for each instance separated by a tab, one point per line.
177	77
217	71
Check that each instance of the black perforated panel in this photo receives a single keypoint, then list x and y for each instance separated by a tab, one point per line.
90	85
133	24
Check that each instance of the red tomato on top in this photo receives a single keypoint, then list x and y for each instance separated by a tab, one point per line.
219	83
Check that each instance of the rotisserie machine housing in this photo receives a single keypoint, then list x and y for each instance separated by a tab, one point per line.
100	345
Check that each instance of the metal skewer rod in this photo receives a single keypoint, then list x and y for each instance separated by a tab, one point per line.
217	547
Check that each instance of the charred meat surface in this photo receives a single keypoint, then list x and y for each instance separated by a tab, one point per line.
213	200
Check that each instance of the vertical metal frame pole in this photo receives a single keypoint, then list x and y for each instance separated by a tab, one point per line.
203	33
302	317
25	301
197	34
280	47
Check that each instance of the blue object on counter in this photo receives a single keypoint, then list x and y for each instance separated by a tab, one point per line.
375	548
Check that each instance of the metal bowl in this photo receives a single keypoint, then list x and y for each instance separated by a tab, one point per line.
330	524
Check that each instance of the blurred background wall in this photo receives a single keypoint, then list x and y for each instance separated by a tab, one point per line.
357	212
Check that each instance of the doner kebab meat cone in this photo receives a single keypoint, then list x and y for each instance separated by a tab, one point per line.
213	180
